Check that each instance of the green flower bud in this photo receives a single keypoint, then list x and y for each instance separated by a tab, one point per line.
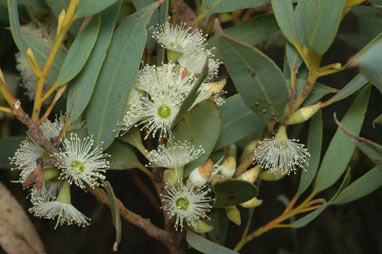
169	177
254	202
50	173
272	176
233	214
201	227
304	114
250	175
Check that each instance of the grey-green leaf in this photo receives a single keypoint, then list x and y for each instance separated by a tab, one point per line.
283	10
233	192
341	147
81	87
256	77
117	76
238	121
15	25
91	7
201	127
206	246
369	64
364	185
220	223
252	31
218	6
353	86
314	147
80	51
122	156
321	21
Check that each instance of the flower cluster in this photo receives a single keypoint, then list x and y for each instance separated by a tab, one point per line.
77	161
159	91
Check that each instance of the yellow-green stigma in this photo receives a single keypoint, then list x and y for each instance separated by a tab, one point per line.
182	203
79	166
164	111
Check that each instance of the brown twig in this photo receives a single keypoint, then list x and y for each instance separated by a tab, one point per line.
135	219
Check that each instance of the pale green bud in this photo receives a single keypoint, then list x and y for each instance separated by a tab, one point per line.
254	202
229	167
304	114
249	149
169	177
50	173
272	176
201	227
233	214
250	175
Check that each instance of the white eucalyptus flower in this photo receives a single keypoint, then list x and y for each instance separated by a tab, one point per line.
80	162
174	155
281	154
186	203
178	38
49	192
61	208
166	89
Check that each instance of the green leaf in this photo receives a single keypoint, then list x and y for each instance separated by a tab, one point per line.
15	25
133	137
314	146
256	77
122	156
283	10
377	120
81	87
80	51
117	76
341	147
364	185
219	221
9	146
321	21
238	121
201	126
252	31
368	147
90	7
233	192
206	246
114	213
369	64
217	6
353	86
41	50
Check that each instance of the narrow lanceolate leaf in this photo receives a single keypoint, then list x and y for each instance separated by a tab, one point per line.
369	64
257	78
238	122
81	87
117	75
252	31
163	15
114	213
217	6
353	86
11	144
122	156
314	147
91	7
321	21
233	192
201	127
80	51
15	25
206	246
368	147
341	147
364	185
41	50
283	10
